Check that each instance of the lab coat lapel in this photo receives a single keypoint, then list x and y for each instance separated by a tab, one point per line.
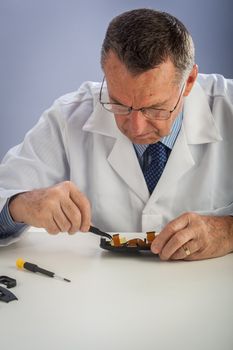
124	161
122	157
198	128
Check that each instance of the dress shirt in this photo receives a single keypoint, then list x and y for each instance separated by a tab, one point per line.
8	227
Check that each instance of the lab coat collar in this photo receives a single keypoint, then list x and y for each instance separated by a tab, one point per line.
102	122
199	124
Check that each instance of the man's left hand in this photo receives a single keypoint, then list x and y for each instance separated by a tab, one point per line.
193	237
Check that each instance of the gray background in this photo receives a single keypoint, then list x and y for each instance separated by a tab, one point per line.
49	47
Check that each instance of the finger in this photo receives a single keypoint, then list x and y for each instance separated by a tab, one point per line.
182	254
169	230
73	214
198	255
176	242
52	227
83	204
61	220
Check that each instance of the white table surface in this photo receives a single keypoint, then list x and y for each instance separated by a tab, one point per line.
113	301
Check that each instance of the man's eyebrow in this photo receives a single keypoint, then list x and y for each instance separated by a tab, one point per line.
114	100
156	105
159	104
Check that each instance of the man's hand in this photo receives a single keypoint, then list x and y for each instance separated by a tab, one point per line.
193	237
61	208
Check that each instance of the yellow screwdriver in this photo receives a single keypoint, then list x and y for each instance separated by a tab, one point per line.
20	263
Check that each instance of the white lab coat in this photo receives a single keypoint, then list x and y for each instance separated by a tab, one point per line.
77	140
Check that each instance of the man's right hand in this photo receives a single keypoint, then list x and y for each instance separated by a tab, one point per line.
60	208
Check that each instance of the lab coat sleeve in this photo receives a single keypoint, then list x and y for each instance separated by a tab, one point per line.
39	161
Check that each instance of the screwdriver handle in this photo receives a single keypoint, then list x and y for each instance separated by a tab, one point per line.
34	268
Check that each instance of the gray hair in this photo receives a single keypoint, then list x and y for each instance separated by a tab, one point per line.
144	38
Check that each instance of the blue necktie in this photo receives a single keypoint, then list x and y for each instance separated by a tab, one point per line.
156	156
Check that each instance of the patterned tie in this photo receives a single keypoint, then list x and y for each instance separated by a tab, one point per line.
156	156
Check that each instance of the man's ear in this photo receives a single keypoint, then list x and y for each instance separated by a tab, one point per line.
191	80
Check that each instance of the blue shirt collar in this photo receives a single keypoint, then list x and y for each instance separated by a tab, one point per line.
168	140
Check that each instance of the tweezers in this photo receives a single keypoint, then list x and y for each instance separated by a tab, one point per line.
98	232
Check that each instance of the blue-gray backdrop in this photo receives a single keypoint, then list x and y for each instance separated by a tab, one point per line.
48	47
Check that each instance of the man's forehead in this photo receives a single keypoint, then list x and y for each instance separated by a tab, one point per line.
117	74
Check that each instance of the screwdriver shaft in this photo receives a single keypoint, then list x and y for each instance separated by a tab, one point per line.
35	268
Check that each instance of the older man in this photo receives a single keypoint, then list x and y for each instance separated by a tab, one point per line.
150	148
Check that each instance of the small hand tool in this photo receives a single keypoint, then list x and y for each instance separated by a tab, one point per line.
5	294
98	232
8	281
34	268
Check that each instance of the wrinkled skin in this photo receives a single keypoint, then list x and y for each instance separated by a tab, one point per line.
60	208
204	236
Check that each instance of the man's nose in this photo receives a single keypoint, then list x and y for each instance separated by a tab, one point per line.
137	122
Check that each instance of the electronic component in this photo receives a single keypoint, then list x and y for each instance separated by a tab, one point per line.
120	244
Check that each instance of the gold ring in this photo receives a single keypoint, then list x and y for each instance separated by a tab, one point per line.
186	250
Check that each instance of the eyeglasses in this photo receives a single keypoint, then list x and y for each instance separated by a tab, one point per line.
148	112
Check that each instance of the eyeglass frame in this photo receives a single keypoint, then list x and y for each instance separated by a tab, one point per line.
130	109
